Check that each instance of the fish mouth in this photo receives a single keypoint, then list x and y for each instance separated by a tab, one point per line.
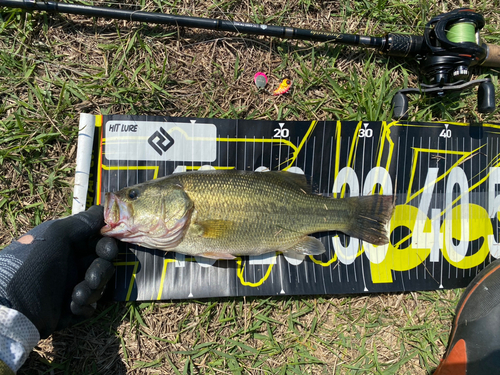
116	216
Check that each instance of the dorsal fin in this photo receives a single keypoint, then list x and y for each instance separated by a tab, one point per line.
297	179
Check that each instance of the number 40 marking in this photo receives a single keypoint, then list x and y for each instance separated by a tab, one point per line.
445	133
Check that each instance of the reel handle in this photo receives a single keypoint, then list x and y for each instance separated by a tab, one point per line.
485	95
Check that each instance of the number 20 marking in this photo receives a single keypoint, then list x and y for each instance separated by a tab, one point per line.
281	133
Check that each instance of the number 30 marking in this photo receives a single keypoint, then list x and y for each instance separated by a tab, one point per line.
365	133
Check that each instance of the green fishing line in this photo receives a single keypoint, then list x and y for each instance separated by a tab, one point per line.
462	32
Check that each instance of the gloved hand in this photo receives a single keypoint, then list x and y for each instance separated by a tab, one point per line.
40	271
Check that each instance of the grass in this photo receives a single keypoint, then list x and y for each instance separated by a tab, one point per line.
54	67
390	334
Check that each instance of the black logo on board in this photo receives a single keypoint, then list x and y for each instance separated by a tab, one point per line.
161	141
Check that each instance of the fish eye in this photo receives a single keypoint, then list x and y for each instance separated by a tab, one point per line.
133	194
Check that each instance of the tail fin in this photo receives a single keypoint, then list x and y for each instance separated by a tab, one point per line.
371	216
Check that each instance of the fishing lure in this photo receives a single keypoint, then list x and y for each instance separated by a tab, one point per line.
260	80
283	87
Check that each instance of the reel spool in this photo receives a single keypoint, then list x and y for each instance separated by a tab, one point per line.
453	46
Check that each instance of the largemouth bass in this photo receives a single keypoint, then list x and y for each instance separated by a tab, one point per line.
223	214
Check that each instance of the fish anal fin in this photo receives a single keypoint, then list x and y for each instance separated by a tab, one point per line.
306	246
293	255
213	255
214	229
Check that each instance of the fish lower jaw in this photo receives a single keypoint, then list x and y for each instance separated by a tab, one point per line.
150	239
118	230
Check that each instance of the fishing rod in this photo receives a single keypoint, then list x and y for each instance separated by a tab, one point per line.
450	45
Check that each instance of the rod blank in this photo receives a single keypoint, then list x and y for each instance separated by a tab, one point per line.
381	43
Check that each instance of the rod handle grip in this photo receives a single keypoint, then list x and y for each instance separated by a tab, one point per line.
492	58
403	45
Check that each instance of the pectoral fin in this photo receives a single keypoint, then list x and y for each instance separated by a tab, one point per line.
214	229
307	246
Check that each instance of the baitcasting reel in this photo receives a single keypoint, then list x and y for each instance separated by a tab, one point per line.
451	45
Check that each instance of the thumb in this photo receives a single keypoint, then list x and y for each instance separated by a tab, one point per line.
83	225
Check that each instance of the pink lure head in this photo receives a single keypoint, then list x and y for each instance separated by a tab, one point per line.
260	80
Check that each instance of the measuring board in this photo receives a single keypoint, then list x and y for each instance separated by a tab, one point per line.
445	178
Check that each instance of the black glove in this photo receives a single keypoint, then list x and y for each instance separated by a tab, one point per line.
40	271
